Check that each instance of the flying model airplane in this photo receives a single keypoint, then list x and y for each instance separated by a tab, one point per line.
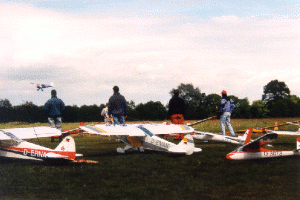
12	145
207	136
42	86
255	149
144	136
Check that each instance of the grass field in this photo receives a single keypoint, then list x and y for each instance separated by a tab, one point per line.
153	175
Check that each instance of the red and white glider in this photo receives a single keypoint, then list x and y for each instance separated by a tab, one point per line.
255	149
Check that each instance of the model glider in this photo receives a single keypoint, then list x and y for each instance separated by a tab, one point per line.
287	132
144	136
207	136
43	86
255	149
12	145
274	127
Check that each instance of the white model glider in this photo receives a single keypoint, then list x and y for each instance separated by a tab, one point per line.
12	145
287	132
255	149
207	136
144	136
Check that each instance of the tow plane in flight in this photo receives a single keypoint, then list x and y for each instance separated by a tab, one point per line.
12	145
145	136
42	86
255	149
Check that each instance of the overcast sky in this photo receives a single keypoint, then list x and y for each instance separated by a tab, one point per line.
147	48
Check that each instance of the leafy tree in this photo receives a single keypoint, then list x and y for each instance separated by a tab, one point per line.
90	113
287	107
131	115
258	109
5	110
193	101
71	114
151	111
274	91
212	103
242	109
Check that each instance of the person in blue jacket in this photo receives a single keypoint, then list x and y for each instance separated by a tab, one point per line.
117	107
226	108
54	108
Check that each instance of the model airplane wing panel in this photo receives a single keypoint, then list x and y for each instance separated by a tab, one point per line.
137	129
285	132
205	133
4	136
159	129
113	130
33	132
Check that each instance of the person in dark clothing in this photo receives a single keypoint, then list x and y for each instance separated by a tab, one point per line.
176	108
54	108
117	107
176	111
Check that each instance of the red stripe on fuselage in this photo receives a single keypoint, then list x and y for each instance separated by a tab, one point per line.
37	153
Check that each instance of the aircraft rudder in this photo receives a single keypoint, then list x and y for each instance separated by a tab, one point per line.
298	143
67	144
248	138
188	143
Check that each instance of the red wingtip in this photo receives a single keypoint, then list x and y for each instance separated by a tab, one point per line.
81	124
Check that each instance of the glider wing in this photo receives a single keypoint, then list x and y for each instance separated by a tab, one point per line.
29	133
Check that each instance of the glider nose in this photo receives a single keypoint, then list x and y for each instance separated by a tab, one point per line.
228	156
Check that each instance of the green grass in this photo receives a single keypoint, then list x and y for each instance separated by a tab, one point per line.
153	175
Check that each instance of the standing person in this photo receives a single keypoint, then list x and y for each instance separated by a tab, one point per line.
117	107
104	113
226	108
54	108
176	110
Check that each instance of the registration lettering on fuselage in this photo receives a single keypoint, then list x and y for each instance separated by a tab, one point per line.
34	153
160	143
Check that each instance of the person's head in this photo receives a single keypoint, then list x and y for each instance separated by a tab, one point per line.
224	93
176	92
53	93
116	89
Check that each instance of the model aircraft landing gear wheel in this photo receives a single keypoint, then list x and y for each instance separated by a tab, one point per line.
120	150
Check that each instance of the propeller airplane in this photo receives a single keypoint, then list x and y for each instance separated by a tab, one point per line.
255	149
12	145
145	136
42	86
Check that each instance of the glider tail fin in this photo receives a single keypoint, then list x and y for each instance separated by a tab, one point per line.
68	144
188	143
52	84
67	148
298	144
248	134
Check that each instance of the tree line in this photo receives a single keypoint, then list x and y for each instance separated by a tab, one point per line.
276	102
